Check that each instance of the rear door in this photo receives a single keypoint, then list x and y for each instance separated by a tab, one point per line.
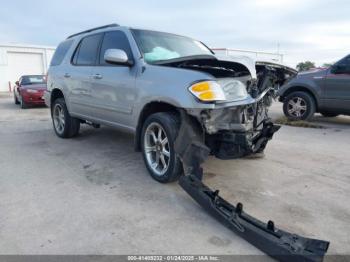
113	89
337	87
80	76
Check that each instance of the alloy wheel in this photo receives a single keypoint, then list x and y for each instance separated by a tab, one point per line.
157	150
297	107
58	118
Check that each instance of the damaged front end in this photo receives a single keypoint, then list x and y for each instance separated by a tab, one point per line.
245	128
237	124
232	130
240	130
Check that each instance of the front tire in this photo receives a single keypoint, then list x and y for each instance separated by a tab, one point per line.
23	104
158	136
15	99
299	106
64	124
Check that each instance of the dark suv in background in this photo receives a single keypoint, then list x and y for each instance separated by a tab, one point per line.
326	91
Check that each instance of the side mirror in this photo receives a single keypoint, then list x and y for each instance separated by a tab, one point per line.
17	83
117	56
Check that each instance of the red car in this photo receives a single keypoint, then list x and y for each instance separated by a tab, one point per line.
30	90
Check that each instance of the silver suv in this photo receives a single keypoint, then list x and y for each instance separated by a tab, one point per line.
147	82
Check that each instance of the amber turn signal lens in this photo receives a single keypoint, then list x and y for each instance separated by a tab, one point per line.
208	91
207	96
201	87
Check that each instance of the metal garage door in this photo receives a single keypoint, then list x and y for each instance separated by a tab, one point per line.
24	64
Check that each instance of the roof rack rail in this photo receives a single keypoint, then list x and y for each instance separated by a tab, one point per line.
93	29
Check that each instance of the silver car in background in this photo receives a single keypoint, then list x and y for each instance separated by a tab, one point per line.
148	82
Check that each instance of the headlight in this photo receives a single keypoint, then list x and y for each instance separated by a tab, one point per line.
32	91
208	91
234	90
222	90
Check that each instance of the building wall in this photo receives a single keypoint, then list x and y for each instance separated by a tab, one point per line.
18	60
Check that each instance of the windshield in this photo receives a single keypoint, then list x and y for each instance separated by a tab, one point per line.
157	46
32	80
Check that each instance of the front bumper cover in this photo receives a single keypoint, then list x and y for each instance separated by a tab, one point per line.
33	98
275	242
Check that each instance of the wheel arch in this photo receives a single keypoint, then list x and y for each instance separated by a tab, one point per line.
56	93
149	109
299	89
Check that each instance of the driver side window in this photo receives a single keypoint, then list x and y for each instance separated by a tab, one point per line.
114	40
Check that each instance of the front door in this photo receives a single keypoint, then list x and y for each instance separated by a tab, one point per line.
336	91
113	88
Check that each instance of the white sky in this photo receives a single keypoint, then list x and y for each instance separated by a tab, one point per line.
316	30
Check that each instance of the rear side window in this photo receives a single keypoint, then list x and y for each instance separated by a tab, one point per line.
345	62
114	40
86	53
342	66
60	52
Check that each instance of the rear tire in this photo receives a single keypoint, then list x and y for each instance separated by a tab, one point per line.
328	114
299	106
158	136
64	124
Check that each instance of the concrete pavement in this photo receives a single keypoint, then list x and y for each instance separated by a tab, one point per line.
93	195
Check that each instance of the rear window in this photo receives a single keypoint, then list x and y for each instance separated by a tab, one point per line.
86	53
61	52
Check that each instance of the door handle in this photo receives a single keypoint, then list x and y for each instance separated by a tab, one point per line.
66	75
97	76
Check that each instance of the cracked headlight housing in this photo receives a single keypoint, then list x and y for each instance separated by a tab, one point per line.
234	90
208	91
221	90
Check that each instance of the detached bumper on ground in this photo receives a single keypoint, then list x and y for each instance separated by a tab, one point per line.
275	242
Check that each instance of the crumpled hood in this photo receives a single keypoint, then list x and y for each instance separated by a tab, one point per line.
277	65
248	62
251	64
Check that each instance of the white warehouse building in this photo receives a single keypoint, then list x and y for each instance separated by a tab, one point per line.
17	60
